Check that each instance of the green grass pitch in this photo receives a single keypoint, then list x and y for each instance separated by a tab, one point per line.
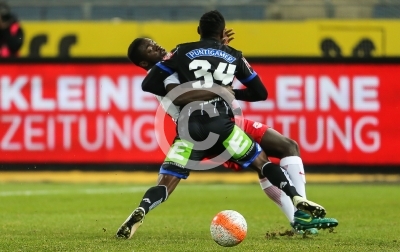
84	217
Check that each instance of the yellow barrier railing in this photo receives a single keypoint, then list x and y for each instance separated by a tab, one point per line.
301	38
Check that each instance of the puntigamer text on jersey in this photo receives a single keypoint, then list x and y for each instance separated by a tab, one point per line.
210	52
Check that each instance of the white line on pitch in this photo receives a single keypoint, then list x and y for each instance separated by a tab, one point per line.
83	191
112	191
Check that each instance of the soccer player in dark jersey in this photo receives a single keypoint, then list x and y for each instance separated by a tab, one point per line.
209	59
145	53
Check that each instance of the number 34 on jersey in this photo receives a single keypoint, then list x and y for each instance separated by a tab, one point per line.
225	73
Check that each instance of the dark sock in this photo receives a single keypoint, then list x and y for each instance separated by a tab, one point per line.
275	174
153	197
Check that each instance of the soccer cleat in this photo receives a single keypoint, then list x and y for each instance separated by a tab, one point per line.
308	206
132	223
304	221
310	231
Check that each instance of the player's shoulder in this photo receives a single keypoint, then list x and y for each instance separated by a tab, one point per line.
187	45
183	47
175	51
230	49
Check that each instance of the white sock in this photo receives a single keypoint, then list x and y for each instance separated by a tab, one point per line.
279	197
294	167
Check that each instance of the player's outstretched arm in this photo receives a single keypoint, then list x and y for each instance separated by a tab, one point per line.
254	91
154	81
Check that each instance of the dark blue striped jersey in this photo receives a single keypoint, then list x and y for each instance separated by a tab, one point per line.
207	61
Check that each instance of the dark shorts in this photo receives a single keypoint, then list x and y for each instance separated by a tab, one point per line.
212	135
254	129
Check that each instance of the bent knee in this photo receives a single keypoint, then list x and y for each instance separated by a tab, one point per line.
291	148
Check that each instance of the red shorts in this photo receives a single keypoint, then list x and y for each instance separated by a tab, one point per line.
255	129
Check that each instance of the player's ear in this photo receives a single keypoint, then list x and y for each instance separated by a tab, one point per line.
198	30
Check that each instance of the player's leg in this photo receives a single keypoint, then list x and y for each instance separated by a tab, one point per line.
276	175
170	175
272	192
169	181
288	151
246	152
257	131
243	150
287	148
277	145
154	196
278	197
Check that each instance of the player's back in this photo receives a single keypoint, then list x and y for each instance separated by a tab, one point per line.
207	60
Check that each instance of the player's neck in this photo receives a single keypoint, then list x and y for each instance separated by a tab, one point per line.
149	67
211	38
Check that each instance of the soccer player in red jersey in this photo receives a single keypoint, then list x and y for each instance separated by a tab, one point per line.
145	53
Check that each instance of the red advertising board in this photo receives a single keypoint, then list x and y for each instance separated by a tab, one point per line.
97	113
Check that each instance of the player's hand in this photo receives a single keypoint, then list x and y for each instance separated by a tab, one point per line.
228	36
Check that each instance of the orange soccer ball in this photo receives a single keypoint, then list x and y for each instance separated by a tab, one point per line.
228	228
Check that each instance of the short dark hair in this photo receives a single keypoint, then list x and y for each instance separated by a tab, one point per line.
212	24
134	53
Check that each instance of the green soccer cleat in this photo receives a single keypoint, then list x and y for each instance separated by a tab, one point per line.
310	231
131	224
304	221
